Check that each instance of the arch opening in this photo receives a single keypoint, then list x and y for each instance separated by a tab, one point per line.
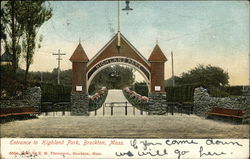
123	61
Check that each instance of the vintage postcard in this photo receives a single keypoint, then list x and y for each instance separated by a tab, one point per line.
125	79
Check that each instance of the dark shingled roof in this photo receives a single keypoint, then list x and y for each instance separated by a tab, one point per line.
79	55
6	57
157	54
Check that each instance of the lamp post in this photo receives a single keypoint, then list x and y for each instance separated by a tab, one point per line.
127	8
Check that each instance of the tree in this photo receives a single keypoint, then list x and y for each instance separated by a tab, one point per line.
207	76
31	15
113	77
11	31
2	31
169	82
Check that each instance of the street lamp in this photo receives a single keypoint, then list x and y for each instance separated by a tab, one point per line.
127	8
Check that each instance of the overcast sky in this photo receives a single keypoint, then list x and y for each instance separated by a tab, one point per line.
203	32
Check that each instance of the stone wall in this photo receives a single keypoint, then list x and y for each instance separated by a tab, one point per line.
203	102
30	97
157	104
79	104
246	92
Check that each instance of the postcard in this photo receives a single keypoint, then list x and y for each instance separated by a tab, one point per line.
125	79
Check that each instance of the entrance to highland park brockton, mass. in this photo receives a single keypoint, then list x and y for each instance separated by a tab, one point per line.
117	51
111	100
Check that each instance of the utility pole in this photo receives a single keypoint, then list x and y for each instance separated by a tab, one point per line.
127	8
118	25
172	59
58	67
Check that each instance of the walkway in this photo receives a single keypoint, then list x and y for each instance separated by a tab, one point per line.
154	126
115	95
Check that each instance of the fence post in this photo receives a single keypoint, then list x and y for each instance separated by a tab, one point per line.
142	108
112	110
53	109
189	110
126	109
134	110
103	112
181	105
63	113
167	108
172	109
95	111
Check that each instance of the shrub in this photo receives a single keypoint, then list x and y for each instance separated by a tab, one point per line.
97	99
183	93
234	90
217	91
141	88
55	93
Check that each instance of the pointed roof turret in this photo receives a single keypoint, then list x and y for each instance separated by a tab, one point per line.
157	54
79	55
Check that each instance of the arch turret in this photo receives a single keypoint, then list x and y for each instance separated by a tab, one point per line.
157	60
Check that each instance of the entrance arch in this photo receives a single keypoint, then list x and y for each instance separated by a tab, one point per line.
118	60
84	70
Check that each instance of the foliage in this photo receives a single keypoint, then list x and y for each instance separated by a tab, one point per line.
234	90
138	101
11	31
96	103
217	91
3	18
20	22
226	91
113	77
31	25
51	77
55	93
141	88
183	93
206	76
47	77
10	87
169	82
213	78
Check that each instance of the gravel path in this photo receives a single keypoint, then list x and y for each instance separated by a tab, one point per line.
176	126
116	95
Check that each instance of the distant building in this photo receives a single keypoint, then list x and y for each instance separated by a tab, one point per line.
6	59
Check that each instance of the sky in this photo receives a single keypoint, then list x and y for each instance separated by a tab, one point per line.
198	32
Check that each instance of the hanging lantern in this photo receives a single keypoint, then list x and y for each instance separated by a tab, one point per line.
127	8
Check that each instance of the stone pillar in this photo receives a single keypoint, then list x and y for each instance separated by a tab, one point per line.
157	94
157	103
79	104
79	94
